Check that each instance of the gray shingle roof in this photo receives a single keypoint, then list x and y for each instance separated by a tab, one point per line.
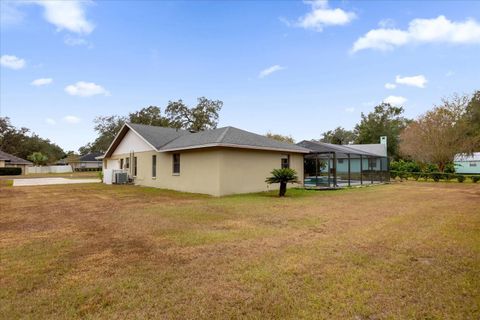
377	149
316	146
157	136
169	139
9	158
229	137
467	157
90	156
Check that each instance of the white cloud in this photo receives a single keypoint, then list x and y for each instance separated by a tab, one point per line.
350	110
75	41
386	23
381	39
322	16
50	121
395	100
390	86
414	81
72	119
9	13
270	70
68	15
449	74
437	30
41	82
86	89
12	62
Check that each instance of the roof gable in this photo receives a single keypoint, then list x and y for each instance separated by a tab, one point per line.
154	136
132	142
9	158
157	136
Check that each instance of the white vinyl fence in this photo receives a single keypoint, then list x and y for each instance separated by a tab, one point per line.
49	169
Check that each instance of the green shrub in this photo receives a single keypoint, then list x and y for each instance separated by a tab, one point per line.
436	176
282	176
416	175
431	168
10	171
406	166
403	175
100	175
449	168
460	178
475	179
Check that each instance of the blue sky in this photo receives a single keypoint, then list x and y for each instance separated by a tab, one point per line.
290	67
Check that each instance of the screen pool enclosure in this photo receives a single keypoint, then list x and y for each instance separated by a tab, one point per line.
330	166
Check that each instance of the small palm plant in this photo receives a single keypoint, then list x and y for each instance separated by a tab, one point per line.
38	158
283	176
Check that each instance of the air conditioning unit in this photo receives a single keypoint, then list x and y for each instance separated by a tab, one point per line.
121	177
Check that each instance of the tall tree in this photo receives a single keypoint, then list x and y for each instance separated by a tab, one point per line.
385	120
151	115
22	143
472	117
201	117
107	128
279	137
439	134
178	115
11	138
338	136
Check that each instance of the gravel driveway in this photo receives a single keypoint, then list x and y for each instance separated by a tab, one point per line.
47	181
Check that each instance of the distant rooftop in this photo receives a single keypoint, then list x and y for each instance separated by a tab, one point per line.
9	158
467	157
90	157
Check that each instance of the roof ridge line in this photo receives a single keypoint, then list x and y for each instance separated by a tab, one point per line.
219	140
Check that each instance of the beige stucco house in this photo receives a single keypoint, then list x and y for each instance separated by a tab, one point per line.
217	162
9	160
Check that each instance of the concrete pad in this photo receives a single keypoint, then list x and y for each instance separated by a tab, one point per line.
49	181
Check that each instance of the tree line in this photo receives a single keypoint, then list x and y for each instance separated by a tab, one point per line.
434	138
177	115
23	143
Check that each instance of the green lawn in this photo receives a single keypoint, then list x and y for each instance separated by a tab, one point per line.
402	251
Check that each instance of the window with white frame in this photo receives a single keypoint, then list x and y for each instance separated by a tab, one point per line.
154	166
176	163
285	161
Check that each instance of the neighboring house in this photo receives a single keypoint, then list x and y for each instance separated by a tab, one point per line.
217	162
86	162
8	160
467	163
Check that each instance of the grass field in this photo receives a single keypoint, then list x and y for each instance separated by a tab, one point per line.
402	251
